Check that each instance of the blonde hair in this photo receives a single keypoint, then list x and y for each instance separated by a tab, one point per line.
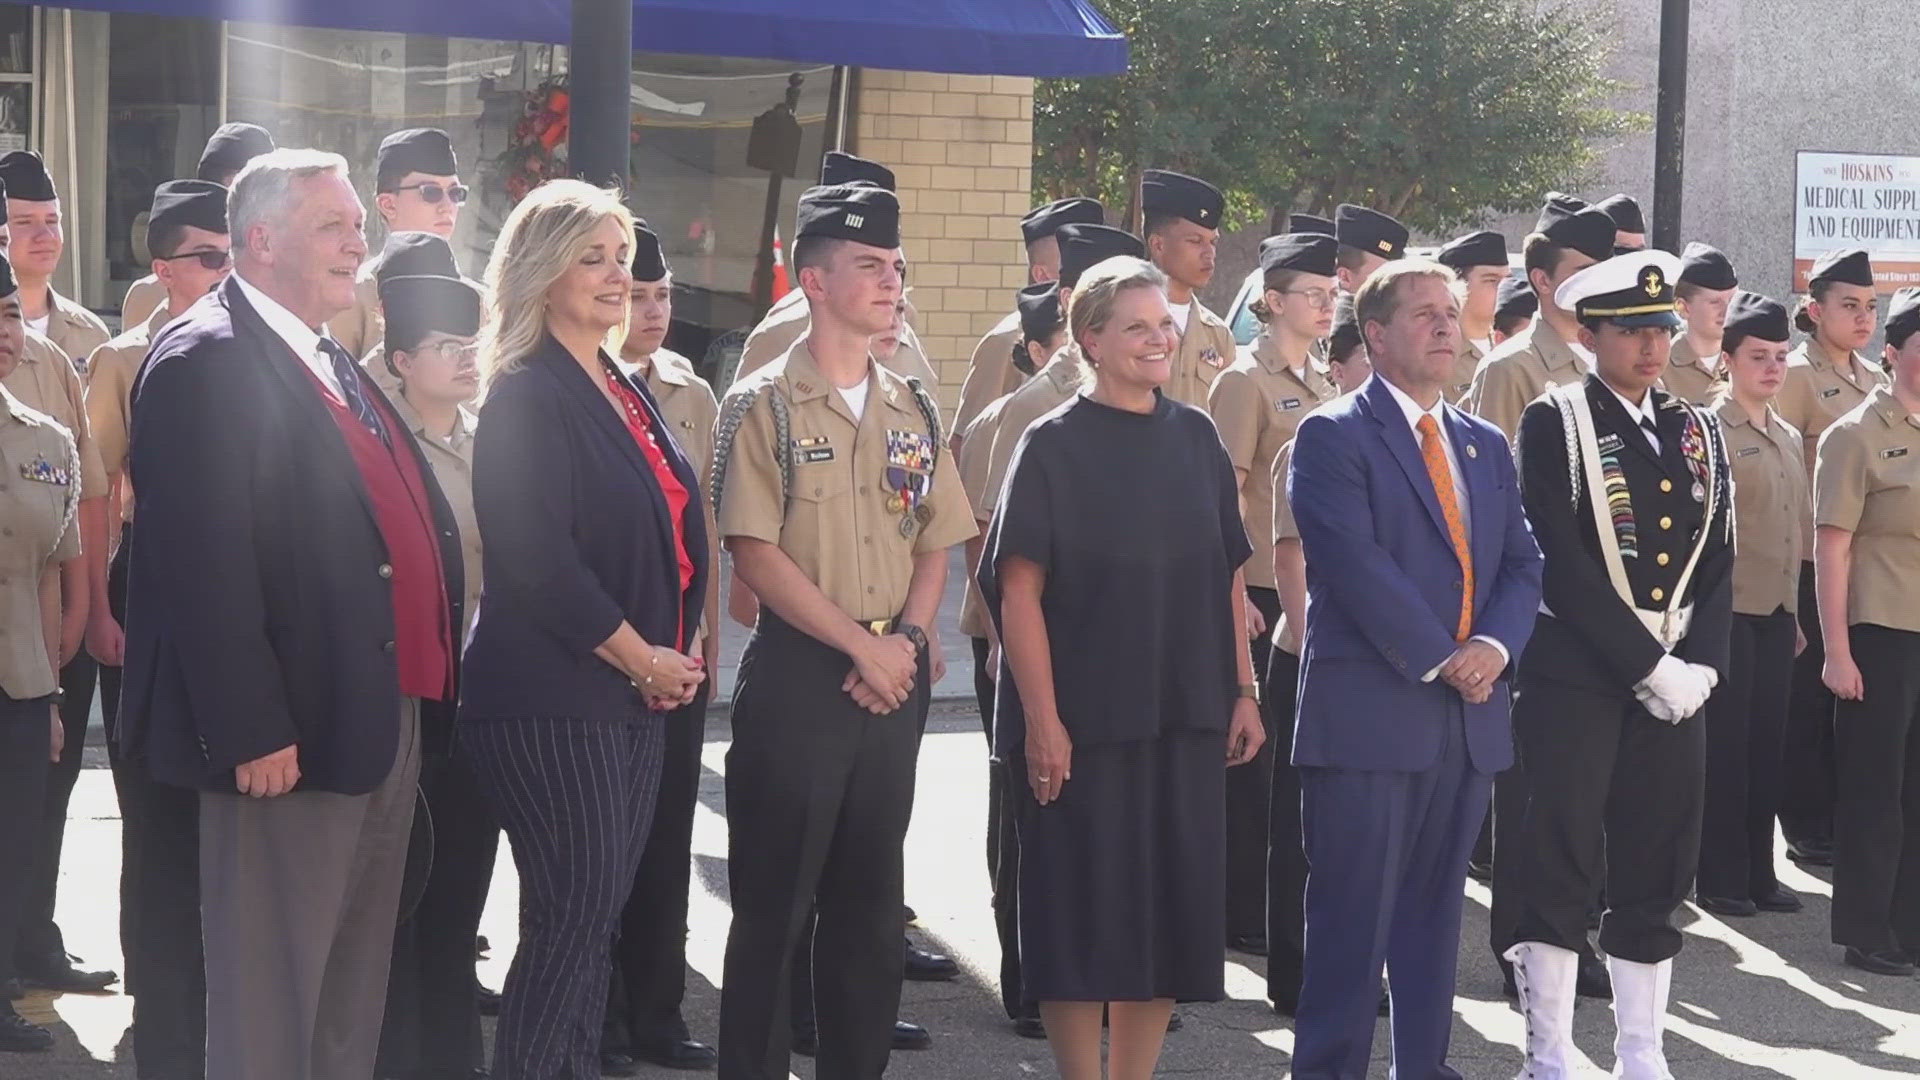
542	237
1090	304
1379	298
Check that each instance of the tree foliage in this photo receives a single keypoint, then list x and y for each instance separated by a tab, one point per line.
1440	112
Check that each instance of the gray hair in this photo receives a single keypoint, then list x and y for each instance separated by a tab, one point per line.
263	192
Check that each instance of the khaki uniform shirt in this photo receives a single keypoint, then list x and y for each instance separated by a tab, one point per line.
1286	638
690	409
990	374
1256	404
74	330
45	381
111	371
143	298
452	460
787	322
976	454
39	501
1688	376
1206	348
1770	501
1464	365
835	521
1867	481
1525	366
1051	387
361	327
1818	391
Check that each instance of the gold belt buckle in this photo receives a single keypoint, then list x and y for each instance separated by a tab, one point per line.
879	627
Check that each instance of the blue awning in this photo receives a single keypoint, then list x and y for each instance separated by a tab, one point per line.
974	37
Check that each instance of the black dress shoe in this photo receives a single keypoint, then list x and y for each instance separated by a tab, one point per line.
1480	871
1891	962
18	1035
911	1036
481	946
1782	900
1030	1027
684	1054
923	966
1733	907
1251	944
489	1001
909	913
1812	851
57	973
1286	1004
1592	981
616	1063
1175	1022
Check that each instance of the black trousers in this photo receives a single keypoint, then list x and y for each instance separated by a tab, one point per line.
432	1025
1876	866
1746	729
819	792
25	739
1249	791
650	956
1613	797
1003	844
38	942
1286	882
1808	790
576	798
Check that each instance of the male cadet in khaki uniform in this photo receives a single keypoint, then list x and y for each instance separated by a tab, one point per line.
786	322
417	188
838	509
61	335
993	371
1629	225
1256	403
1368	240
1568	237
644	1020
226	153
1514	310
1182	230
1479	260
160	823
1707	284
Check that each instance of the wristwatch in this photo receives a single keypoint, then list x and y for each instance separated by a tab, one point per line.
914	634
59	696
1250	691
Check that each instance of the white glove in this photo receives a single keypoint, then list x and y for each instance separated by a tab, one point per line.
1675	689
1661	710
1707	673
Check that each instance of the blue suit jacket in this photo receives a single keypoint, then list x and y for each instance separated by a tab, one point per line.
1383	585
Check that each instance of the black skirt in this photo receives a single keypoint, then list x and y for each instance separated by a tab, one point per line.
1123	879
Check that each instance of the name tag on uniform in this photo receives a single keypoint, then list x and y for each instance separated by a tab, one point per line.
1830	392
1747	451
812	449
1289	403
1898	451
43	471
1609	443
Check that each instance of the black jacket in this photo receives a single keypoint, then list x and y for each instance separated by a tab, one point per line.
576	536
1593	639
257	616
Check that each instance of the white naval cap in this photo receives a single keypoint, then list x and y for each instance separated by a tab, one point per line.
1634	289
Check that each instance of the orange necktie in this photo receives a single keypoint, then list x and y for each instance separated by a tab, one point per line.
1435	453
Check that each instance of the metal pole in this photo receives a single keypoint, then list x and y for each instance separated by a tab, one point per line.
1670	124
600	79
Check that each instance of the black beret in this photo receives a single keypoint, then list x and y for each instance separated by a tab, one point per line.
1624	212
1178	195
1345	334
1756	316
1082	246
1041	221
859	212
8	286
649	261
1307	253
1309	223
1849	266
1903	316
1559	205
230	148
838	168
201	204
1587	230
1039	311
25	177
1516	301
1707	267
1474	249
415	150
418	305
416	254
1370	231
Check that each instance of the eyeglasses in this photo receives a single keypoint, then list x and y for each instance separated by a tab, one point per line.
1315	297
452	350
209	260
433	193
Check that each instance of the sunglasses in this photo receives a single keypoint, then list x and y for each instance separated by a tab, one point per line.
433	193
209	260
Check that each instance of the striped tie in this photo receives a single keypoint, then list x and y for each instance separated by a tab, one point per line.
351	392
1435	454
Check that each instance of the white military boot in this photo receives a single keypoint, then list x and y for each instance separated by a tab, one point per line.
1640	1018
1545	975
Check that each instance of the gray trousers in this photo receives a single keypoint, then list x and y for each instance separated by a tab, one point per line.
299	895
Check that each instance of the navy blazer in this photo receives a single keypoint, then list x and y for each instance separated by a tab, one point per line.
576	537
257	614
1383	585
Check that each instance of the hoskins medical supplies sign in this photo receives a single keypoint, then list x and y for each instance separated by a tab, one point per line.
1869	201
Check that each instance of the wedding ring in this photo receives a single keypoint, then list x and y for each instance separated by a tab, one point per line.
1045	779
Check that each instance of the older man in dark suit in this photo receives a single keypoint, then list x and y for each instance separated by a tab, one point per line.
1422	584
293	597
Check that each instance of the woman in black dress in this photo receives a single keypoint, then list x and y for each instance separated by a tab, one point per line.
1113	572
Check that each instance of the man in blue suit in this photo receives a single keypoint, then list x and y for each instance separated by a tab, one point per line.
1423	581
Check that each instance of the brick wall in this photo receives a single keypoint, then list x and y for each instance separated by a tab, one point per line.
961	147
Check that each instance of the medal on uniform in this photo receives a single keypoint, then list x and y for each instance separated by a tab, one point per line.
42	470
909	475
908	527
1699	492
896	504
923	514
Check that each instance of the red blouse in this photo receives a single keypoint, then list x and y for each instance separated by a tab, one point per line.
639	425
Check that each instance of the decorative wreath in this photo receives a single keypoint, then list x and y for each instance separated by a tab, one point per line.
532	157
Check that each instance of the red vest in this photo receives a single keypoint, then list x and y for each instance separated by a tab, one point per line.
405	515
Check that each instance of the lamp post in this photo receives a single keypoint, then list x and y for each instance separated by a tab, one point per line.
600	79
1670	124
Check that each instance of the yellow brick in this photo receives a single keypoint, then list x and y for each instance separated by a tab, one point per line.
949	323
1026	108
967	152
901	127
1006	155
1018	85
867	126
1015	277
923	227
939	275
951	251
989	252
878	79
937	128
874	100
952	177
912	103
981	202
1020	131
981	276
954	105
942	201
971	301
1017	203
984	131
1001	105
969	227
996	179
910	176
926	298
918	152
881	150
970	84
923	80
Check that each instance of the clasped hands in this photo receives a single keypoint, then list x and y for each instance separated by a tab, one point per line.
1676	689
884	670
1472	670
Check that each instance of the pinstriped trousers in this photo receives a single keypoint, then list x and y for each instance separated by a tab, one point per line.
576	799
